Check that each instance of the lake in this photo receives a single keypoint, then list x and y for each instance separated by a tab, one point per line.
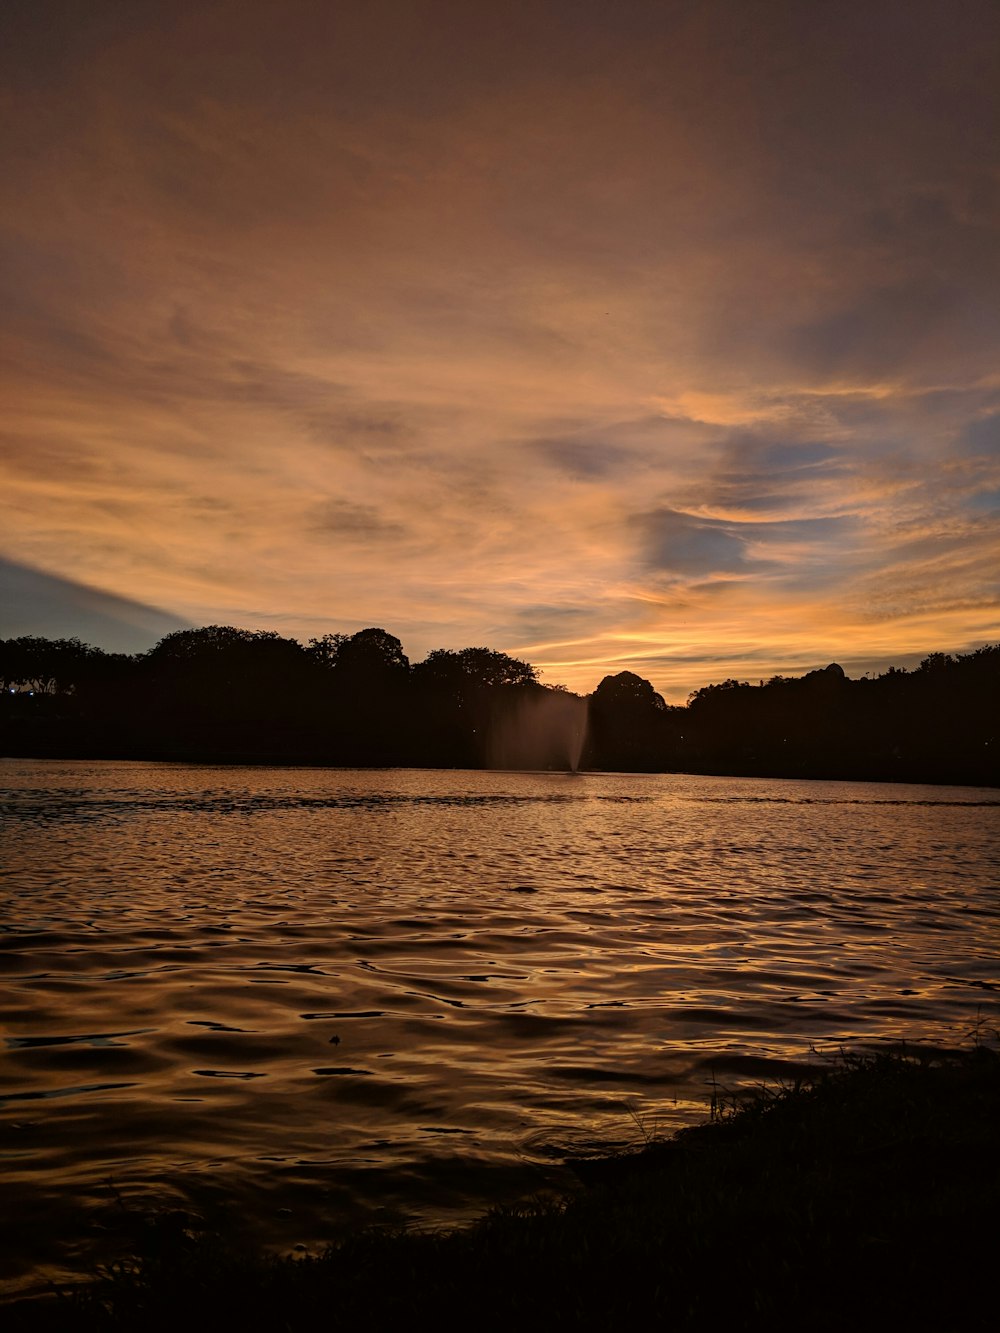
294	1000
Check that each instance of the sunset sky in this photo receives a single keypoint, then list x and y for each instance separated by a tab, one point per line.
659	336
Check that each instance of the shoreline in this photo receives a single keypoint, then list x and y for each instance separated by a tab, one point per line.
257	759
867	1193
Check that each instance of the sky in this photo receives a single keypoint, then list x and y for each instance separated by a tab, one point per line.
649	336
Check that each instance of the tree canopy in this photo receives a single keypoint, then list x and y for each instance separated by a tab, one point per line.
480	667
226	693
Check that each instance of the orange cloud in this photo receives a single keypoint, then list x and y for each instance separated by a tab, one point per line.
648	337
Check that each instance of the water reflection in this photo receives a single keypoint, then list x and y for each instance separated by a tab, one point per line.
360	995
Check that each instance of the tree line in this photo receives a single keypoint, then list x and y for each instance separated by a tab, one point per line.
234	695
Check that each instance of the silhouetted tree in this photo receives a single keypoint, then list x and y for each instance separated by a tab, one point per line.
230	693
45	666
475	668
462	696
226	687
326	649
364	708
372	652
630	726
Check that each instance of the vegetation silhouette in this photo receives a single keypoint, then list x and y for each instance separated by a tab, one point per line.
224	694
630	727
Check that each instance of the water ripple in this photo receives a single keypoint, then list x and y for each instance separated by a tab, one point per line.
315	998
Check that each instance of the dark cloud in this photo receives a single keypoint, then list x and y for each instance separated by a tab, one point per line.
287	390
376	432
544	623
679	543
982	437
34	602
948	229
589	452
888	332
987	501
810	550
46	456
330	413
583	460
758	472
357	522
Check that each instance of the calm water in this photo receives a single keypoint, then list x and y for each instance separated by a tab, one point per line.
306	998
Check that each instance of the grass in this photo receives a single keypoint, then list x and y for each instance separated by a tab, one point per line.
866	1197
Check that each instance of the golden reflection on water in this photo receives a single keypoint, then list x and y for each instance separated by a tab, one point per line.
362	995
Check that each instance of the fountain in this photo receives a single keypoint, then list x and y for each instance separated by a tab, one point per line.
541	730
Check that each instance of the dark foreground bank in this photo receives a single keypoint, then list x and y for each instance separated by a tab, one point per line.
867	1198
